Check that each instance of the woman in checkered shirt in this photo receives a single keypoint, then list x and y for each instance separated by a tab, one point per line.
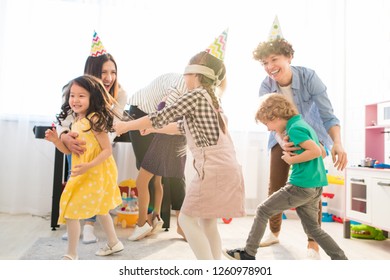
217	189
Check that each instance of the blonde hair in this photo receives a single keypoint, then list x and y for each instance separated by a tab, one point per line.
275	105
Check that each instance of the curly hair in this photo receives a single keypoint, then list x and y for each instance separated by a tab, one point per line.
275	105
100	102
277	46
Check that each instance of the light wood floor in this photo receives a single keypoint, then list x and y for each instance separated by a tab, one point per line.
19	232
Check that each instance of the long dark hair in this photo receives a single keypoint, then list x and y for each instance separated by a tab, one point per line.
100	103
93	66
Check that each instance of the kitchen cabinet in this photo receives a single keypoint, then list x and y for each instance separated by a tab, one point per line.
367	198
381	198
377	142
368	189
358	204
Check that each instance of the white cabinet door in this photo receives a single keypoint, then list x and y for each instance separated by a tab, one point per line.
381	202
358	196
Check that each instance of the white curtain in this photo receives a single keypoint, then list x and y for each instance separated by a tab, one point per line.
26	168
44	44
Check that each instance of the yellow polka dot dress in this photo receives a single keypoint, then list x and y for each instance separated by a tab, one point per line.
96	191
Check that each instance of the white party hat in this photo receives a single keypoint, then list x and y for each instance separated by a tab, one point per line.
276	31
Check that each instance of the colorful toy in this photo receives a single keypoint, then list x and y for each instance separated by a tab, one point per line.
337	219
127	185
366	232
382	165
335	180
328	195
326	217
227	221
127	212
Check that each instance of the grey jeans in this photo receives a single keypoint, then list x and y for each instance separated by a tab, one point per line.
305	201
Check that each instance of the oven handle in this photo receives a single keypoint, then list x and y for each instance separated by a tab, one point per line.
384	184
357	180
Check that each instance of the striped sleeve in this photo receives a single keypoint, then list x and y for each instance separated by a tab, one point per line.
148	98
177	89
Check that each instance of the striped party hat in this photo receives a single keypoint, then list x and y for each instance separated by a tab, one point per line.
97	48
217	48
276	31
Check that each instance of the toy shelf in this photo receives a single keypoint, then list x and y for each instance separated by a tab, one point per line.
374	134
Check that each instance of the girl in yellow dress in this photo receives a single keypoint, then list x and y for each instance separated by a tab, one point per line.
92	188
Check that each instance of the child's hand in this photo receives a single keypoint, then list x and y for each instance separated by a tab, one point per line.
145	132
287	157
51	135
323	151
120	127
79	169
289	146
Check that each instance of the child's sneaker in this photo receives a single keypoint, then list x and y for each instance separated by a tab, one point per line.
157	224
313	254
140	232
269	240
237	254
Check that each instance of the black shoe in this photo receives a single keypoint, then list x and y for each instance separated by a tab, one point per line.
237	254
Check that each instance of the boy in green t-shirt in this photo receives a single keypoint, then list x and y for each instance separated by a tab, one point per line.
304	188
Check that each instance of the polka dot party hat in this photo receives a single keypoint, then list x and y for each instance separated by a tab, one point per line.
276	31
97	48
217	48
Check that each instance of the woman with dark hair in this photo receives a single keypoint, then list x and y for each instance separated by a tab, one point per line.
102	65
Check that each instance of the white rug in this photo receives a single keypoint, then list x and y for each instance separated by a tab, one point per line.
166	245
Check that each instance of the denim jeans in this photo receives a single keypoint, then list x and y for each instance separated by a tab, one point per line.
279	170
305	201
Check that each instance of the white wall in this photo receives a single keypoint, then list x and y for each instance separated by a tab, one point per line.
367	71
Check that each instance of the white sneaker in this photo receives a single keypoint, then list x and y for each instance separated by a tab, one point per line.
140	232
269	240
157	225
313	254
65	236
88	235
107	250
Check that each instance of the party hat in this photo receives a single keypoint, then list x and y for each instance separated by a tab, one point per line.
276	31
97	48
217	48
